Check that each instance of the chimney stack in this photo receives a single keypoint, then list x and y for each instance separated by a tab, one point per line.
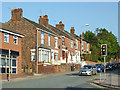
16	14
43	20
72	30
60	25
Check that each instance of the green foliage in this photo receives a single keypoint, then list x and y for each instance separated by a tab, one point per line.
102	36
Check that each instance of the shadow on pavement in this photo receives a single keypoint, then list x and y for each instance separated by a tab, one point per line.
73	74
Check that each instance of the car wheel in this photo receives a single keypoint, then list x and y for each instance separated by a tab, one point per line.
91	73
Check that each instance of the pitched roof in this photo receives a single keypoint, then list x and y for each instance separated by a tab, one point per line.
74	35
64	33
40	26
7	28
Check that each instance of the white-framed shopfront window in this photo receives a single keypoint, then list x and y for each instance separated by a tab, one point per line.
4	64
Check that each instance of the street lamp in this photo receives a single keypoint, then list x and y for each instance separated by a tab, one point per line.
82	38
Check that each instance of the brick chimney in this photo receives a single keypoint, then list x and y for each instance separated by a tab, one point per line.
16	14
60	25
72	30
43	20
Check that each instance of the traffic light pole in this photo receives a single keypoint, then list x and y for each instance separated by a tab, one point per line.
104	65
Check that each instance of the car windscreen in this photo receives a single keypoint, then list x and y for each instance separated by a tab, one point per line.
87	67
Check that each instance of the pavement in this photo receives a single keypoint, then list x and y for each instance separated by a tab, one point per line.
108	80
36	76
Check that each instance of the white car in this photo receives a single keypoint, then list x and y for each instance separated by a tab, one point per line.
88	70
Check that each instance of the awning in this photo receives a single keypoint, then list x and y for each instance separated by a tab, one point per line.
6	52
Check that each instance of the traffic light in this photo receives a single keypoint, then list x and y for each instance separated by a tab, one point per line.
104	50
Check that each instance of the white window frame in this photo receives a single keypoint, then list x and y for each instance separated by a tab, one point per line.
11	58
42	38
49	39
56	42
32	50
41	50
63	40
56	54
71	44
7	35
16	39
76	41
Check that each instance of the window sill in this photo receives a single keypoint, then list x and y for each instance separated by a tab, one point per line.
56	47
6	42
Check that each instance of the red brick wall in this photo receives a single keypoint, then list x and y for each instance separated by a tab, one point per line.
29	40
56	68
5	76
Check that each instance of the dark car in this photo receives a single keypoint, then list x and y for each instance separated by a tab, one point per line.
100	67
109	66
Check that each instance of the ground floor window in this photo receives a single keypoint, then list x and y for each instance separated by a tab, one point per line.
63	54
56	56
44	55
4	64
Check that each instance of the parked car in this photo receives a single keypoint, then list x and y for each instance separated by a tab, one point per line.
100	67
88	70
109	66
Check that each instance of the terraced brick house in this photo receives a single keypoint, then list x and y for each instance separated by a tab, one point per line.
44	43
10	50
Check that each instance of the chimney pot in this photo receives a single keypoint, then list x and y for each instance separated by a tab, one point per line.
60	25
72	30
16	14
43	20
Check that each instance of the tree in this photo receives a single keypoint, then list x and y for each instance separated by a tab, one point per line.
102	36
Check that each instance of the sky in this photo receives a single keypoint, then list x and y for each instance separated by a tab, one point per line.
72	14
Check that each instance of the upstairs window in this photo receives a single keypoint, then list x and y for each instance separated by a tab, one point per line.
82	44
6	37
63	40
56	42
42	38
76	44
15	40
71	44
49	40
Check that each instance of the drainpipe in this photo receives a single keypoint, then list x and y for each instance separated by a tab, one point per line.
37	50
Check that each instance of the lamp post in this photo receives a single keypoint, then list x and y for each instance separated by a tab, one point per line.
82	38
